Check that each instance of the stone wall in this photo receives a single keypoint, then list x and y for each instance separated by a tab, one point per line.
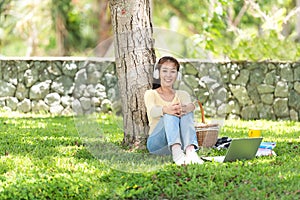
240	90
254	90
56	85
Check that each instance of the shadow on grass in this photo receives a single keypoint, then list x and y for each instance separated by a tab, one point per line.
99	142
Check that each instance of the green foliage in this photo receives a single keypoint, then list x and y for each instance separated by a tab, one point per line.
267	47
43	157
263	31
22	21
71	22
215	27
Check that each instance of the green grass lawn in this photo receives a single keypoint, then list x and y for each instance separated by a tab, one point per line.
43	157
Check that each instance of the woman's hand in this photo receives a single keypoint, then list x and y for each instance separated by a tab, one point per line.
178	109
186	108
173	109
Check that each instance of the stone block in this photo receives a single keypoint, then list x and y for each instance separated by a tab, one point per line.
99	91
240	78
22	66
297	73
267	98
76	106
22	92
12	103
271	78
233	107
39	90
215	74
54	68
281	109
223	68
286	72
294	115
294	100
63	85
264	88
86	103
52	99
110	80
221	110
24	106
241	94
67	111
94	77
253	94
266	111
79	91
39	106
69	69
106	105
67	101
6	89
10	74
281	89
249	112
30	77
190	69
297	86
56	109
256	76
2	101
202	70
190	80
81	77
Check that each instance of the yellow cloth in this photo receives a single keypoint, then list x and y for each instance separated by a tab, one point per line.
154	104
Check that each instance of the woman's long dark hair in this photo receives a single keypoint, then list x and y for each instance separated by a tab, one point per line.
156	82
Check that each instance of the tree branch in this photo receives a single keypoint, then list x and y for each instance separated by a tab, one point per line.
241	13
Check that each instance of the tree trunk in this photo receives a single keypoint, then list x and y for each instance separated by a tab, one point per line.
298	21
60	35
135	57
104	28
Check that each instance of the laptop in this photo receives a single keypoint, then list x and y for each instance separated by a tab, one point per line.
239	149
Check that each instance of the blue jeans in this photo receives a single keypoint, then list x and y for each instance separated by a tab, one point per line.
171	130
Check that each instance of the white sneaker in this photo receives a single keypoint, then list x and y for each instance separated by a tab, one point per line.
181	160
193	158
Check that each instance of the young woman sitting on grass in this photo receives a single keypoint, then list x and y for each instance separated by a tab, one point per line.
171	117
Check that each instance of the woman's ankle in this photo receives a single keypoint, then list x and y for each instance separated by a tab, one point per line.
190	149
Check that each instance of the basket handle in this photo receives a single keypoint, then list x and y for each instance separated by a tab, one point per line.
202	111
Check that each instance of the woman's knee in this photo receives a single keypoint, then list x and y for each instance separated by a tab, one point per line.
188	117
168	118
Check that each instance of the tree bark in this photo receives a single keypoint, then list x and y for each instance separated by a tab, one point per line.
104	28
60	35
135	57
298	22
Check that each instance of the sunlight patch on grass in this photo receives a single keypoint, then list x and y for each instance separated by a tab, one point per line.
68	150
71	164
270	129
16	165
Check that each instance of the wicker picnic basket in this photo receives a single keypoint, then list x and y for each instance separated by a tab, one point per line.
207	134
